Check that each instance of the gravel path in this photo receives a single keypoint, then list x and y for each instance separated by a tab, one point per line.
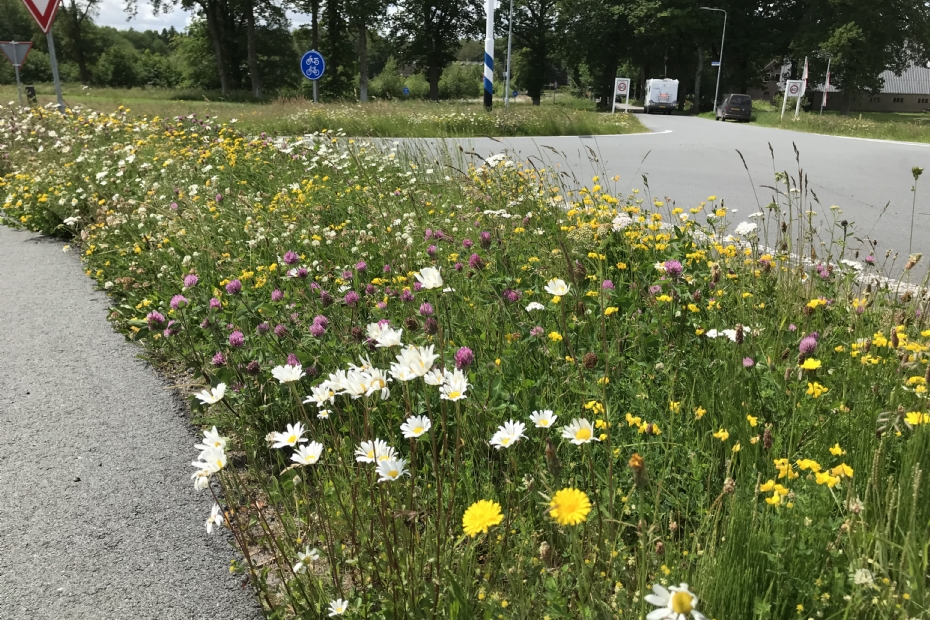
98	517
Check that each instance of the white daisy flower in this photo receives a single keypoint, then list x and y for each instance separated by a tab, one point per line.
216	518
429	277
454	386
435	377
374	451
544	418
305	558
309	454
287	373
675	605
211	460
391	469
212	396
557	287
579	431
211	439
508	434
415	426
291	437
338	607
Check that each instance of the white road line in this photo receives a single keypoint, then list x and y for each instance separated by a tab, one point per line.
921	144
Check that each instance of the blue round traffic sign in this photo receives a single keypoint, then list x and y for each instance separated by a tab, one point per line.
312	65
515	93
406	90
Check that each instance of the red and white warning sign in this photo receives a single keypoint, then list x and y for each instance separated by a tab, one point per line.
16	51
43	11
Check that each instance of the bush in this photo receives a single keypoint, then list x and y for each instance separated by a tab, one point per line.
418	85
461	81
120	66
388	84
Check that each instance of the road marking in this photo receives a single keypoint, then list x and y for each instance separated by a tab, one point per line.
922	144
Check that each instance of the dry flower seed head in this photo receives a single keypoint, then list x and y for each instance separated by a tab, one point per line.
894	339
912	261
589	360
545	553
729	486
660	548
580	308
552	460
739	334
411	323
767	438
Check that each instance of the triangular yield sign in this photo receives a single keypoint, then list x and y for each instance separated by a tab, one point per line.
16	51
43	11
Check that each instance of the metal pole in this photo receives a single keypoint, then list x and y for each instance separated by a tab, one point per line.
720	60
19	86
509	49
489	54
823	96
54	63
316	90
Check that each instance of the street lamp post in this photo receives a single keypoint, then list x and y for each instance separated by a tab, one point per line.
720	61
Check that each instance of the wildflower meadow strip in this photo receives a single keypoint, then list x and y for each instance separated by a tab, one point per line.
461	388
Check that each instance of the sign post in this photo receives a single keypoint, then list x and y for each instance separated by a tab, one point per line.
313	66
489	54
621	89
43	11
826	87
793	88
797	109
17	53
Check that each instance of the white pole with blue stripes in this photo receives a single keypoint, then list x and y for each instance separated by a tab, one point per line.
489	54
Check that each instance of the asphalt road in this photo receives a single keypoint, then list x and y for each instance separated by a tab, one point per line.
98	517
687	159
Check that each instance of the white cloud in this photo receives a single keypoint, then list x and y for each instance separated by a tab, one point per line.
112	14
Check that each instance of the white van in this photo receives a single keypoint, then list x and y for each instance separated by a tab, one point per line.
661	96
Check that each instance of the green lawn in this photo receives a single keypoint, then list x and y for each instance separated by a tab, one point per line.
905	126
559	114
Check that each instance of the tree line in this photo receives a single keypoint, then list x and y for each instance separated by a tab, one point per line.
237	46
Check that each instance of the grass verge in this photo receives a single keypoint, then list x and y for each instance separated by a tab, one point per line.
906	127
396	119
477	389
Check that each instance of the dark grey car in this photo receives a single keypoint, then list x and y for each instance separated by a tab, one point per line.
735	107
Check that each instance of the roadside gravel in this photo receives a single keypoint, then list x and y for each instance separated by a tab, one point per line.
98	517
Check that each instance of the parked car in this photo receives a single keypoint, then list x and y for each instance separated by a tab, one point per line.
735	107
661	96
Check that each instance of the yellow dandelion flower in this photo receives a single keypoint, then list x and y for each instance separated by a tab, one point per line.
481	516
569	507
811	364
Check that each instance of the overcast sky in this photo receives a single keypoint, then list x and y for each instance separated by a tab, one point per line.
112	14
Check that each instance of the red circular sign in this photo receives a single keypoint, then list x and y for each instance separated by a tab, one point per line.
794	89
621	87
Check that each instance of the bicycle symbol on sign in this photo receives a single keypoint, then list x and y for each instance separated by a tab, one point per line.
312	65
